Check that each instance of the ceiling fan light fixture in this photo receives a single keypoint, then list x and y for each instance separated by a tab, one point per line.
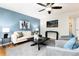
49	12
48	9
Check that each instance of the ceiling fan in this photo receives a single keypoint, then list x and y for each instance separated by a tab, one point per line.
48	7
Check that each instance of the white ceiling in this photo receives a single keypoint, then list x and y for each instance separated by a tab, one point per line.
33	8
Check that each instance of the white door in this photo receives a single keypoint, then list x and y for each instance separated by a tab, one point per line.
77	28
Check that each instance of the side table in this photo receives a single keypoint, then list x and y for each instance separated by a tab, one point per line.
6	41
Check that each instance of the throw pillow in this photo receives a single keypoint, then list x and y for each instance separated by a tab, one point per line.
16	34
75	46
70	43
20	34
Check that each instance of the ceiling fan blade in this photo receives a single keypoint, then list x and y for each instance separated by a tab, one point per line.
52	3
41	4
47	4
57	7
41	10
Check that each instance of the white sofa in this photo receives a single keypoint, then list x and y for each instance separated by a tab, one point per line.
25	34
58	50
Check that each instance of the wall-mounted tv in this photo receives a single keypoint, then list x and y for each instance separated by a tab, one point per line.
52	23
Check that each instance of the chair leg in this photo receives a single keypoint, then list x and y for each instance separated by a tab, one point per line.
34	44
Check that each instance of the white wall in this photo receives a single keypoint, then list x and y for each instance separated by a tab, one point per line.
63	27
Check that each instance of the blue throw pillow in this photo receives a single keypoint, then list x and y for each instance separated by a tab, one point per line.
70	43
75	46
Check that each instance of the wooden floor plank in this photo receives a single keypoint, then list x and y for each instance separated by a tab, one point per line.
2	51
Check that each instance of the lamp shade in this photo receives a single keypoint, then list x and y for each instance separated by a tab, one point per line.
6	30
36	29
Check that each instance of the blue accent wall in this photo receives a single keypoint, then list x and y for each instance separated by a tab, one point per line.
11	19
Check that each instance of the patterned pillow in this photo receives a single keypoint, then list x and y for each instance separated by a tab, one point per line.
20	34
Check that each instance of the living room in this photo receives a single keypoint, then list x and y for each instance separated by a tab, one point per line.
26	19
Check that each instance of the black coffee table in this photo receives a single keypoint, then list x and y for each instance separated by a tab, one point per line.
40	41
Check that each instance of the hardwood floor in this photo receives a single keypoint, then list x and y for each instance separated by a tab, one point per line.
2	51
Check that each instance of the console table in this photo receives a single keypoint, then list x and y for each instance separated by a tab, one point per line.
57	34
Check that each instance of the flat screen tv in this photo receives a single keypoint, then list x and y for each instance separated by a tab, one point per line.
52	23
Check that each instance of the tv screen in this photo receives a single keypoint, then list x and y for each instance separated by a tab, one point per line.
53	23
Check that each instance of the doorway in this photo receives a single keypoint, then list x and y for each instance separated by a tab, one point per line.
77	27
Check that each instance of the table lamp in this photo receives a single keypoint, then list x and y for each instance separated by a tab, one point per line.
5	31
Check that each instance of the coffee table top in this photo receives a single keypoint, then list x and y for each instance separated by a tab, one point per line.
41	39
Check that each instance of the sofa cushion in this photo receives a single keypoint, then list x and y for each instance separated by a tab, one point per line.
70	43
22	38
60	43
26	33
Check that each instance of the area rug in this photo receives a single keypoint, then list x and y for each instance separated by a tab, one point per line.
26	50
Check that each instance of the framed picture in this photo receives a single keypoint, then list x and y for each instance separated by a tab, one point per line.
24	24
53	23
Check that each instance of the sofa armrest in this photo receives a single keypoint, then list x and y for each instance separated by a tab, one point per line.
56	51
13	38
